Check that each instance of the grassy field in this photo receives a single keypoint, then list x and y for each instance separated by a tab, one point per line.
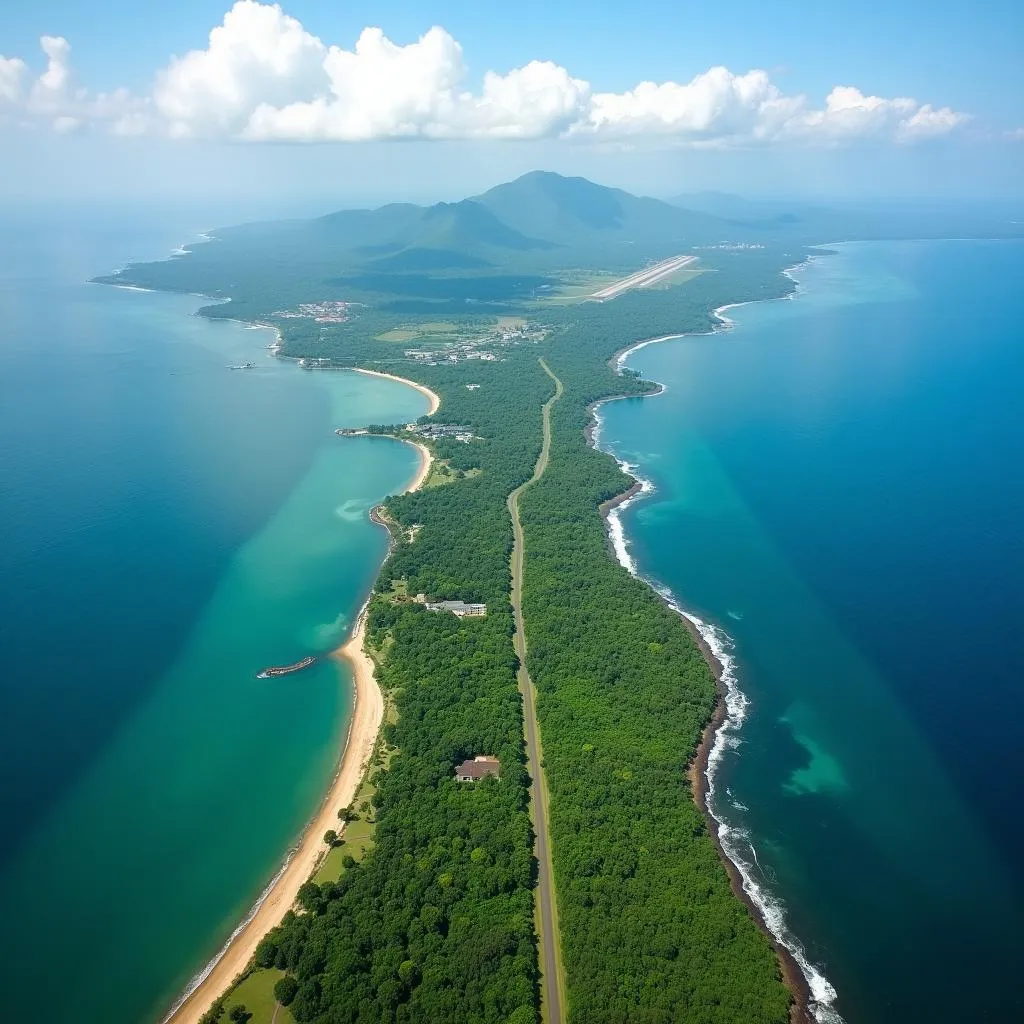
579	285
357	836
256	994
681	276
438	332
509	322
441	473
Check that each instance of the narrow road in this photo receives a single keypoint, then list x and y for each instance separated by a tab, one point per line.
552	979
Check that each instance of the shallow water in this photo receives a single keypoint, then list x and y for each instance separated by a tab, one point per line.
171	527
838	488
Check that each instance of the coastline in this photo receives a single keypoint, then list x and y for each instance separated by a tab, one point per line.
280	895
813	994
303	858
435	401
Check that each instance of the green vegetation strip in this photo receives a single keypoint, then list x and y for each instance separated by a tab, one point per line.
552	972
650	928
435	923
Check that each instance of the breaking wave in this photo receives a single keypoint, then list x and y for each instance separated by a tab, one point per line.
735	840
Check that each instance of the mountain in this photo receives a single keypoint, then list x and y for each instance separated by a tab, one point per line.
573	212
541	221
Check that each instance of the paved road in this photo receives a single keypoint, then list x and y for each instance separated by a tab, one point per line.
552	984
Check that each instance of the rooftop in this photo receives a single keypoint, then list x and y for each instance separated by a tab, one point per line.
481	766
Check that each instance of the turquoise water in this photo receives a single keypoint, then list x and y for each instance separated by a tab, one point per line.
172	527
838	493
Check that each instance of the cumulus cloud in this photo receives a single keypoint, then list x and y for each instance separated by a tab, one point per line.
12	70
716	105
263	77
54	99
257	57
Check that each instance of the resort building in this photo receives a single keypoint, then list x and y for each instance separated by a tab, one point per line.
480	767
460	608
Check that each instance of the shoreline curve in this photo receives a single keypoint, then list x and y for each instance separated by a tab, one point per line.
812	993
432	396
302	859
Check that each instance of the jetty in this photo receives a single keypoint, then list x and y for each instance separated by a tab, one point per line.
285	670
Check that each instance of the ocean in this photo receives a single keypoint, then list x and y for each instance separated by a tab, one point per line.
835	492
171	527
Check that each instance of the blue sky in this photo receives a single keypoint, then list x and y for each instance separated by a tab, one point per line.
934	106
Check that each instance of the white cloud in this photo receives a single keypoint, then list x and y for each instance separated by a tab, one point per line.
715	106
258	56
849	114
50	90
11	72
263	76
384	90
53	98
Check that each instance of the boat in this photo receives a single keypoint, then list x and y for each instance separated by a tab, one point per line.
285	670
243	366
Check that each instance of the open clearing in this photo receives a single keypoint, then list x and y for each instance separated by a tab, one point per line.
441	332
256	994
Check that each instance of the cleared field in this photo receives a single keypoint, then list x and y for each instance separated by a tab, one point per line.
442	331
576	286
256	994
680	276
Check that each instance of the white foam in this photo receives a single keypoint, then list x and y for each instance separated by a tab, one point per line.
199	978
735	840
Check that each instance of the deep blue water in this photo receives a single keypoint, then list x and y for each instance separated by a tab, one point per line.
170	526
839	488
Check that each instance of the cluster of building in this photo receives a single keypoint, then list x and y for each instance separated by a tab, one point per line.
434	357
438	431
732	246
455	352
463	609
321	312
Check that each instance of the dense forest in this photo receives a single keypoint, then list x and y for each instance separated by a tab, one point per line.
650	928
436	922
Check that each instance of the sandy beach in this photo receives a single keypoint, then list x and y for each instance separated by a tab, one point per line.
423	470
280	895
435	402
367	713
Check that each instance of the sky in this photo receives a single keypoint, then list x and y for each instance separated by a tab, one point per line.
362	103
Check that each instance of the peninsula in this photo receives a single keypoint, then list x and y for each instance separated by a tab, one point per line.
562	886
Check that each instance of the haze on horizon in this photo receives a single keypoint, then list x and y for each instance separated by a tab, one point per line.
308	106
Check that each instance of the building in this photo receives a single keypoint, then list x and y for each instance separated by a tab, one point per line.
480	767
460	608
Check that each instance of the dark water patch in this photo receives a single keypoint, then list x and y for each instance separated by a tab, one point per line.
172	527
114	465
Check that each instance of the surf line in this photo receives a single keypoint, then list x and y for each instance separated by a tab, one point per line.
735	841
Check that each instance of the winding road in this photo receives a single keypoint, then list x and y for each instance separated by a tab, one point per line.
552	977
